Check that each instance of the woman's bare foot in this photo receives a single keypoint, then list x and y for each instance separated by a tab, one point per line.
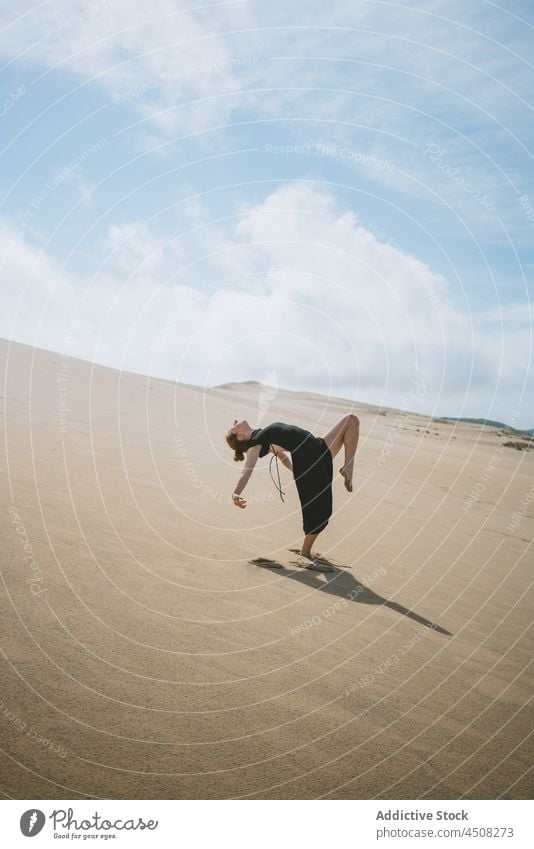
310	556
313	561
346	471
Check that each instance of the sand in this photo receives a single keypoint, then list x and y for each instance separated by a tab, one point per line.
143	656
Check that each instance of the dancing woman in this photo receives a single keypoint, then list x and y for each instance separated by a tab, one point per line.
311	464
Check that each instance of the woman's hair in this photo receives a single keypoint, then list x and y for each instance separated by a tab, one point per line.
238	447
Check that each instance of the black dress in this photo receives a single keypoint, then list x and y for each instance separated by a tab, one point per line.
312	469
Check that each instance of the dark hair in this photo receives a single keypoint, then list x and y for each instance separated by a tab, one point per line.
238	447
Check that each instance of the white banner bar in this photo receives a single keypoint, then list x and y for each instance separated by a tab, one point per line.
272	824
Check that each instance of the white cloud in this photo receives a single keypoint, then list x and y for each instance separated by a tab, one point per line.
519	314
329	308
372	63
153	58
381	78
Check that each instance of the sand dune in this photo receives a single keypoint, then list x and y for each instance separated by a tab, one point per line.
143	656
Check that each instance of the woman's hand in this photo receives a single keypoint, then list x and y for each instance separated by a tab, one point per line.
238	501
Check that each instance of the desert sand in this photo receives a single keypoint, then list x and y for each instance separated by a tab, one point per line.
143	656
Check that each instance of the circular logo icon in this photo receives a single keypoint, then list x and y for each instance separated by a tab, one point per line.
31	822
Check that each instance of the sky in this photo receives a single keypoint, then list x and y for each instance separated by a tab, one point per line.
329	197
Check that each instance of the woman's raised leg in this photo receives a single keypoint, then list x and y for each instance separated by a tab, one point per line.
345	433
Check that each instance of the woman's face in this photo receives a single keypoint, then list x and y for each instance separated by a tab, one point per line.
238	429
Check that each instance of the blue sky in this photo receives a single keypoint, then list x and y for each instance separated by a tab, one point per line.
328	197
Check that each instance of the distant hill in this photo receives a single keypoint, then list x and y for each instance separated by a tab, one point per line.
489	423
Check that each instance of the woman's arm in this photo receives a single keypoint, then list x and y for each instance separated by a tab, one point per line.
250	461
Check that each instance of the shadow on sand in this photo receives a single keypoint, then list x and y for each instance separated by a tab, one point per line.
344	585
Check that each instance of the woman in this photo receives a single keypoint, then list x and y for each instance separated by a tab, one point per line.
311	464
